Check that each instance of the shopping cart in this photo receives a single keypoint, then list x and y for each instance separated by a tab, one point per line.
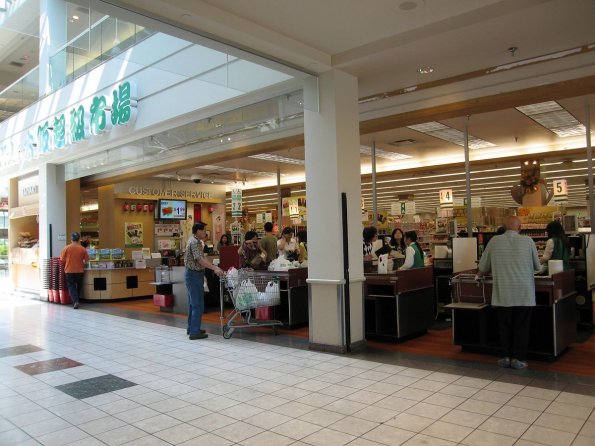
469	292
248	290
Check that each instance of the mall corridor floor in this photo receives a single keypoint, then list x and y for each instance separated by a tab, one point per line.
78	377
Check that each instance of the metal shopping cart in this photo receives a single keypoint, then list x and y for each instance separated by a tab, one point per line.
468	292
247	290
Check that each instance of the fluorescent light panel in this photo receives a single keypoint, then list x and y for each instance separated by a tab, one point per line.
441	131
554	117
278	159
393	156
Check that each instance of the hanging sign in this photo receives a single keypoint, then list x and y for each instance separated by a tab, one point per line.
294	210
236	202
560	191
268	217
403	208
446	199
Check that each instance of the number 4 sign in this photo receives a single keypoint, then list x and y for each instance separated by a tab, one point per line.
446	198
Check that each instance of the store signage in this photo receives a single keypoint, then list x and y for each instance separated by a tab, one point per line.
236	202
294	209
560	191
403	208
475	202
268	217
446	199
28	190
74	126
174	193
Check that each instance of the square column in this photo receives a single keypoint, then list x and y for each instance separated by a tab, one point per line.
333	167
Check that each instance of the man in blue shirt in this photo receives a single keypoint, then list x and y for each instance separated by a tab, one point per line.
195	263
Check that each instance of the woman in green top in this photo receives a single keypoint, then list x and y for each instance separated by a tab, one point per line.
556	247
414	256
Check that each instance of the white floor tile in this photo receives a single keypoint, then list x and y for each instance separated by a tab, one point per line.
548	436
389	435
296	429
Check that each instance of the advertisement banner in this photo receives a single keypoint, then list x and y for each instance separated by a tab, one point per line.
133	235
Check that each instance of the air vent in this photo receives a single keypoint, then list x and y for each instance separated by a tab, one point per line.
402	142
17	64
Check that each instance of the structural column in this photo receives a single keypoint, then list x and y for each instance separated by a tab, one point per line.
333	168
52	37
52	212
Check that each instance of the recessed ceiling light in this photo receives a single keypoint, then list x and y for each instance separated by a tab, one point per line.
441	131
425	70
75	17
277	158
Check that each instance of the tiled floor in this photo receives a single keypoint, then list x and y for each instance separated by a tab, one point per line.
145	384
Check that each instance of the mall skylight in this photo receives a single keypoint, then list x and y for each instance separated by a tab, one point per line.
234	170
554	117
441	131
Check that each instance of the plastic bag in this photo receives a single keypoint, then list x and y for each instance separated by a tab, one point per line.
206	285
273	293
383	264
232	277
247	295
280	264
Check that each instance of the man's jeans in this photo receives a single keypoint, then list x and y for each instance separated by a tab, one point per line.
196	299
74	282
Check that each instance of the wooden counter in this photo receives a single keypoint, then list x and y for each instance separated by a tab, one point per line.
117	283
553	320
398	305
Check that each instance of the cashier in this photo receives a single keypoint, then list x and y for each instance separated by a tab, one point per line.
414	256
556	247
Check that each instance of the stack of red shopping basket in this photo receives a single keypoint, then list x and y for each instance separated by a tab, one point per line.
58	291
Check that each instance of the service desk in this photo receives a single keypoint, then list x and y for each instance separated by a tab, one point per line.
398	305
553	320
117	283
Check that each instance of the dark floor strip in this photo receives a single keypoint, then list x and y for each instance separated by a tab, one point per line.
95	386
19	350
51	365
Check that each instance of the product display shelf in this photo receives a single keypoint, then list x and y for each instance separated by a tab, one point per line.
89	226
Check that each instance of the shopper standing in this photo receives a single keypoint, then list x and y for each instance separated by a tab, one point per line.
74	257
512	259
269	243
195	263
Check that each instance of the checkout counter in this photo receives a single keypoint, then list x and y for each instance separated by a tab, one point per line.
292	312
398	305
553	320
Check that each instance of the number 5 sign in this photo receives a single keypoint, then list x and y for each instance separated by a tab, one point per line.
560	190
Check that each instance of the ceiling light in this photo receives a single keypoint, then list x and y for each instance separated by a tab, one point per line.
394	156
553	117
278	159
441	131
425	70
75	17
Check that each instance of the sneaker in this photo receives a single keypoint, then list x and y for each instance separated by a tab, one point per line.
504	362
517	365
76	305
198	336
201	331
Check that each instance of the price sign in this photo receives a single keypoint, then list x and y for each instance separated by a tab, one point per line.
236	203
294	210
446	199
560	191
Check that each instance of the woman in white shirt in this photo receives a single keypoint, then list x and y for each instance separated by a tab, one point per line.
287	245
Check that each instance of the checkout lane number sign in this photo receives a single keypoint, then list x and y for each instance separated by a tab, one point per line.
236	202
